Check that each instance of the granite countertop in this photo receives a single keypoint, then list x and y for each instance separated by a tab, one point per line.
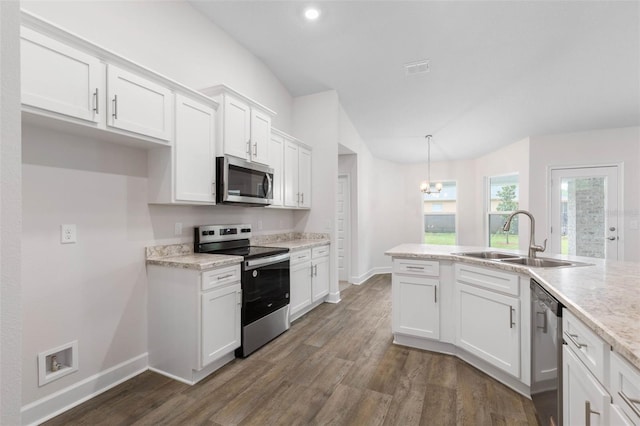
182	256
605	295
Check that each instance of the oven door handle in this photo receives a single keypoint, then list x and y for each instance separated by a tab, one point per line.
264	261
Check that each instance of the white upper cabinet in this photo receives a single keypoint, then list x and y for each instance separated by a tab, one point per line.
297	175
244	125
276	161
137	104
194	157
236	127
58	78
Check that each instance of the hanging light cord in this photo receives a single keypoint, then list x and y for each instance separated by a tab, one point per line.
429	161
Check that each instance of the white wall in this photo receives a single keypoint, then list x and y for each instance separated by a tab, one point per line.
10	216
607	146
95	291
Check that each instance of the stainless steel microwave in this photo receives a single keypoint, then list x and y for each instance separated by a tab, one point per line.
242	182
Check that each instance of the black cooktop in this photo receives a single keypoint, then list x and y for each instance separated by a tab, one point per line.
251	252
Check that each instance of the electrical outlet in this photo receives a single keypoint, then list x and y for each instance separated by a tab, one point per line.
178	229
68	234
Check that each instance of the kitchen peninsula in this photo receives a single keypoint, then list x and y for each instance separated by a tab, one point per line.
449	301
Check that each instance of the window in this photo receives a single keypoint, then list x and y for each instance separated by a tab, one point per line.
440	215
503	196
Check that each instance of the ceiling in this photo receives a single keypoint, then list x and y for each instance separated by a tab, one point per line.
499	71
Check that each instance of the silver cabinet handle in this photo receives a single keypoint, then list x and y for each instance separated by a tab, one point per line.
302	202
435	294
420	268
255	149
302	256
312	270
511	323
224	277
315	270
631	402
544	322
97	100
239	297
573	337
612	238
249	147
115	107
213	188
587	413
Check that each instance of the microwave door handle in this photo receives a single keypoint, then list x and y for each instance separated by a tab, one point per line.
267	189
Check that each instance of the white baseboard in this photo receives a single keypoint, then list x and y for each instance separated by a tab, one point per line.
50	406
373	271
333	297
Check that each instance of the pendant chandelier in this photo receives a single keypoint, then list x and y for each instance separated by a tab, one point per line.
426	185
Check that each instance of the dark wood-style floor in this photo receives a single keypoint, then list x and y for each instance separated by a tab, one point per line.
337	365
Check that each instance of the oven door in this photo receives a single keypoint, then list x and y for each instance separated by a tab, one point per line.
265	286
242	182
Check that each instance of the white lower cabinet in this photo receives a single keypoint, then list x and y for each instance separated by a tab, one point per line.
309	279
194	320
488	316
418	311
585	401
488	326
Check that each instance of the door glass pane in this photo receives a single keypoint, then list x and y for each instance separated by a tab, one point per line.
440	215
583	216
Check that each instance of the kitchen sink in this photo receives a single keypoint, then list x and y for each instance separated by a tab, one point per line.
539	262
489	255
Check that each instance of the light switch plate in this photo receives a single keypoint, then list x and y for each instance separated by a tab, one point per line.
68	234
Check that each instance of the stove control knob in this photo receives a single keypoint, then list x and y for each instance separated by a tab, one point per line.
212	232
204	232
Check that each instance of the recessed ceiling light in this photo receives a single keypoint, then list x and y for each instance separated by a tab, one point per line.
311	13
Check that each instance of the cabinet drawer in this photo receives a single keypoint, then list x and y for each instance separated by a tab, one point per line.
488	278
219	277
321	251
300	256
625	387
587	346
417	267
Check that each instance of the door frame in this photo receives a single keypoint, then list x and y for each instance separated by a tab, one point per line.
347	230
620	205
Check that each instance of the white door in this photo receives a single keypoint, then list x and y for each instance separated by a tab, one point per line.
304	177
320	280
584	212
416	309
291	192
220	323
194	151
237	127
300	287
58	78
343	215
276	162
489	327
260	136
138	105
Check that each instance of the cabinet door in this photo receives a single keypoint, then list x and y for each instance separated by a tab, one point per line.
416	311
138	105
220	323
58	78
194	151
291	193
304	177
488	326
276	161
584	400
236	133
300	283
320	281
260	136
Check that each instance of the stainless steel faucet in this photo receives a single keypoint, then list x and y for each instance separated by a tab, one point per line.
533	248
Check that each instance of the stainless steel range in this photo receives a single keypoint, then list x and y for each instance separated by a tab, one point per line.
265	282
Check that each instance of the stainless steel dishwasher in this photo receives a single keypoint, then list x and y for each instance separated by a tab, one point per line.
546	355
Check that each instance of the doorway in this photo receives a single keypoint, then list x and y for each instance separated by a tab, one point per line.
344	226
584	212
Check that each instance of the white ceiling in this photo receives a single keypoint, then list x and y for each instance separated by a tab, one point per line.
500	71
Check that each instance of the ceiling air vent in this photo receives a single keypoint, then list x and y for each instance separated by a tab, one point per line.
418	67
